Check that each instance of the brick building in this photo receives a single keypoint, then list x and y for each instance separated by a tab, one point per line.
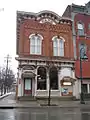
81	38
45	55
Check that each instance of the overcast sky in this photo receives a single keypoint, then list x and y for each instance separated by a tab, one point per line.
8	10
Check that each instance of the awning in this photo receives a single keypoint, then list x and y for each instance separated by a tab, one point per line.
28	74
68	79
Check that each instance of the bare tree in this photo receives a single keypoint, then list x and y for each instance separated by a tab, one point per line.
7	79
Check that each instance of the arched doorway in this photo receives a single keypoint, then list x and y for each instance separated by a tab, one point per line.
41	78
53	75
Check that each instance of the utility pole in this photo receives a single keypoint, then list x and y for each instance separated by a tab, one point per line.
6	72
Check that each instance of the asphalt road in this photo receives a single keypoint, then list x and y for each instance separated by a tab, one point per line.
35	113
45	114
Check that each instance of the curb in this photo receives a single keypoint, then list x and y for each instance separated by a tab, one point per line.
40	107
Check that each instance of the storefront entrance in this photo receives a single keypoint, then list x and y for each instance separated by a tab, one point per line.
67	86
28	86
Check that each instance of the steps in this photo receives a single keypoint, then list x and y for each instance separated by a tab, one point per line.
26	98
62	98
31	98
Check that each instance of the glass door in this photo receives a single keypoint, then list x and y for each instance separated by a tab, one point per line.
27	86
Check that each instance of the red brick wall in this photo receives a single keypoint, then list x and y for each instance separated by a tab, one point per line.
85	69
47	31
86	64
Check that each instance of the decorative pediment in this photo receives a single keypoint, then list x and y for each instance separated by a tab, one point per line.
28	74
28	68
47	20
68	79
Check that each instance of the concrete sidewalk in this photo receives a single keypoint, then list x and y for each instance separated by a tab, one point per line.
8	101
5	95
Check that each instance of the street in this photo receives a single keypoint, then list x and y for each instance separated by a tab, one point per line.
41	113
44	114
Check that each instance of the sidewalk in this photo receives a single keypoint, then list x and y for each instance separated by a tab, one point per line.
8	101
5	95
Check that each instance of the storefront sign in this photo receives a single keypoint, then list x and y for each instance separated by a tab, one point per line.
67	83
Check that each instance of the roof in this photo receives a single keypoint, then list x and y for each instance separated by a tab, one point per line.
41	14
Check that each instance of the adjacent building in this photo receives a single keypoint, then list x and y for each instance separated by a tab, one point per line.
45	55
80	16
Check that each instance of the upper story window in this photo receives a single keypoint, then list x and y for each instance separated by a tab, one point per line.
83	49
80	29
89	26
35	44
58	46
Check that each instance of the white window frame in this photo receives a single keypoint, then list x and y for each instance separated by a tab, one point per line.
59	49
36	45
80	28
84	46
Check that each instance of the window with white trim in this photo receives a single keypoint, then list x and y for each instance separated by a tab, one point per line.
80	29
41	78
83	46
58	46
35	44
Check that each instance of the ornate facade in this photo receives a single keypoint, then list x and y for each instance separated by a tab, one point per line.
45	55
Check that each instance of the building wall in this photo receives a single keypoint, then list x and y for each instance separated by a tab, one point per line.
86	39
80	14
48	31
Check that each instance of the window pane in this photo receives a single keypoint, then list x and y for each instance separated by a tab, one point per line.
58	47
55	43
61	42
61	52
38	50
61	48
32	41
55	47
32	49
55	51
27	84
83	46
35	44
80	32
41	79
84	49
80	26
53	73
85	88
38	42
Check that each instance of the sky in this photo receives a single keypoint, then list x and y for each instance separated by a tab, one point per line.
8	10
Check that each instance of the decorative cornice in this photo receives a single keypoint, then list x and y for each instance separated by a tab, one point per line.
46	59
43	14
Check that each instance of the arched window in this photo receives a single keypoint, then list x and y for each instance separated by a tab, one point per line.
35	44
80	27
82	46
53	74
41	78
58	46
